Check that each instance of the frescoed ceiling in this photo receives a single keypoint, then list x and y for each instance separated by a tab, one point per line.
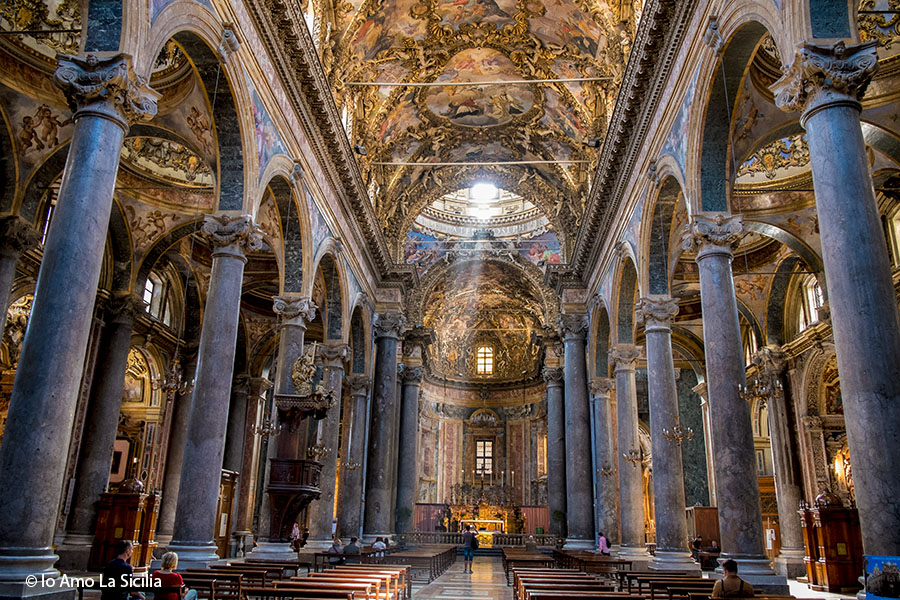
476	45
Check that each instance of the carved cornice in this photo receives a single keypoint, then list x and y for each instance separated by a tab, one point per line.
389	324
602	386
660	32
553	376
656	312
108	87
235	235
17	236
824	75
358	383
294	311
623	356
283	31
712	231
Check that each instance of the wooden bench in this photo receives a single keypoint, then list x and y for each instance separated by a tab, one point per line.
381	582
391	579
288	567
681	589
402	572
265	593
526	582
227	585
360	589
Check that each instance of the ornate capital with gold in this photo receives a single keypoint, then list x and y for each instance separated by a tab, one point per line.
231	235
17	236
106	87
572	326
712	233
389	324
601	387
623	356
823	76
294	311
656	312
553	376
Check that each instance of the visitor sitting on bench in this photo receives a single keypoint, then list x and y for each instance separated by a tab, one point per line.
336	548
731	586
351	549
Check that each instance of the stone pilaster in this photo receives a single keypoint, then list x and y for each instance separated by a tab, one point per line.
579	496
407	473
106	97
230	237
700	390
257	387
556	449
605	463
622	357
770	361
379	520
713	237
321	512
826	84
350	519
236	429
668	471
16	236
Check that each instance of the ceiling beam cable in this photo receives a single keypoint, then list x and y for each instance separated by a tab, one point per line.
471	83
494	163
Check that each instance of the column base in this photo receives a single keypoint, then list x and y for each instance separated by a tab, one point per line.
317	545
272	551
162	541
759	573
17	564
638	556
369	538
191	556
789	563
672	561
579	544
50	588
75	552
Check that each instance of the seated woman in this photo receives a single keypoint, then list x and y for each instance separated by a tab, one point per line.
168	578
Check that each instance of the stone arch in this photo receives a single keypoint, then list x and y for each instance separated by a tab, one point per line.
658	233
120	244
333	274
798	246
628	287
293	232
31	203
602	333
359	340
160	247
9	165
775	309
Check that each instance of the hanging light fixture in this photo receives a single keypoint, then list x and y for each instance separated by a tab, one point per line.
678	433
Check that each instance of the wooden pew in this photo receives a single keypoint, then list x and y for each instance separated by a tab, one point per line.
392	579
381	582
681	588
524	583
360	590
402	572
228	585
267	593
290	568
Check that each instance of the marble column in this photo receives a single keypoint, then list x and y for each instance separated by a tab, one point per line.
107	97
668	471
16	236
321	512
771	363
104	405
165	523
631	494
350	519
712	237
232	460
407	473
826	83
255	409
607	513
556	450
379	520
294	313
230	237
579	479
700	390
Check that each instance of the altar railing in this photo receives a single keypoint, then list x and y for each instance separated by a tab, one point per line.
500	539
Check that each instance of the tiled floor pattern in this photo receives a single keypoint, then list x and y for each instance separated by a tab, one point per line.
487	582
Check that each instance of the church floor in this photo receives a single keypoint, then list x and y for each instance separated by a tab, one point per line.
486	582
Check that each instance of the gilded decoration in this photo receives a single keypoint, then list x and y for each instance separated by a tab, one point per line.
883	28
14	332
166	160
781	158
474	46
63	17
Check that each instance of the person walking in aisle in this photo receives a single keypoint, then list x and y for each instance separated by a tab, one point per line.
470	545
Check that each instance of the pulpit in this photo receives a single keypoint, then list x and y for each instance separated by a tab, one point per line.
125	515
838	543
809	544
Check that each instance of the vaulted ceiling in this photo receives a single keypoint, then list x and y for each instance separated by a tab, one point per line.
476	43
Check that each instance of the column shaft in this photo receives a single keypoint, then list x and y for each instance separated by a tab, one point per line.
233	457
194	530
350	519
42	407
16	236
556	450
668	471
407	473
379	519
607	513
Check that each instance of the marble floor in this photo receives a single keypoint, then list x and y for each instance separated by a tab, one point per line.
487	582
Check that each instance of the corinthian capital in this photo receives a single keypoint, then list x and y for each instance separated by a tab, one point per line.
294	311
572	325
553	375
231	234
822	75
17	236
716	230
623	356
770	360
125	308
107	86
602	386
656	312
359	384
412	374
389	324
334	354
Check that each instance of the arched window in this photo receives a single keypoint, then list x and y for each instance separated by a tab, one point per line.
811	300
156	296
484	360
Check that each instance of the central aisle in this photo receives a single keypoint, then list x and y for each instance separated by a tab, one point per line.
487	582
